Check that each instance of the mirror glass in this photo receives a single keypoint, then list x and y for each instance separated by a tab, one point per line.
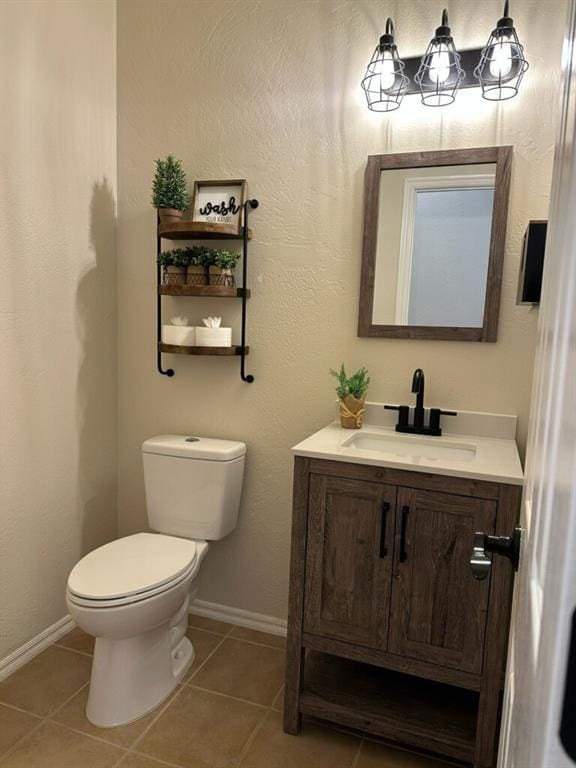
433	245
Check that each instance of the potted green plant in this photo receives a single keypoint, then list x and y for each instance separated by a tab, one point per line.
351	392
169	194
197	271
222	265
174	264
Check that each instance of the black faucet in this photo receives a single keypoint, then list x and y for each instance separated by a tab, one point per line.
418	389
418	428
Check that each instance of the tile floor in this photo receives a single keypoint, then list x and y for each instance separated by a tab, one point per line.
226	714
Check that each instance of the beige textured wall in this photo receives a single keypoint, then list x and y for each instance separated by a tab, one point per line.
57	301
269	90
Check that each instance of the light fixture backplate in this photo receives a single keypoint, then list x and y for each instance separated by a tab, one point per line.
468	61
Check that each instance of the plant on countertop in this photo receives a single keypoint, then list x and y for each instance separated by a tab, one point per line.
222	263
356	385
169	194
351	392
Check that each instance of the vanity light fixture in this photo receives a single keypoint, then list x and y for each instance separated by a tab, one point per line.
385	82
502	63
440	73
498	68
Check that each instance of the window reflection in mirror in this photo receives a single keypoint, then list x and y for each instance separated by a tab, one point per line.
433	245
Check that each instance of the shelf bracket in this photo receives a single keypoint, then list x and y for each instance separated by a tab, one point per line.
248	205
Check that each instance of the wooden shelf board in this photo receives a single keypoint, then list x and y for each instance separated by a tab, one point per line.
214	291
399	707
192	230
392	662
173	349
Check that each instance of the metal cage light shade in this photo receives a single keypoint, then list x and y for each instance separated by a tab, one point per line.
440	74
385	82
502	63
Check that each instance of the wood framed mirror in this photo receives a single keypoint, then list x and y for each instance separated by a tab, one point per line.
433	247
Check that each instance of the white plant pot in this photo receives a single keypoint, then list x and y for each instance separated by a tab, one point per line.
179	335
213	337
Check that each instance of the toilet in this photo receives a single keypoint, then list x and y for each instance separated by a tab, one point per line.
133	594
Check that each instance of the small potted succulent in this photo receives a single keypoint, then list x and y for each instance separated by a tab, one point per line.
351	392
169	194
197	271
174	264
222	265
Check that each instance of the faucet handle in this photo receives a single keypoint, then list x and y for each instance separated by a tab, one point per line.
403	412
434	423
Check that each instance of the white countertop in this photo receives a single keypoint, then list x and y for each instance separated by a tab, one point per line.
479	457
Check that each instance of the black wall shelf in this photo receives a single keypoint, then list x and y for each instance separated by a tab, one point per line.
188	230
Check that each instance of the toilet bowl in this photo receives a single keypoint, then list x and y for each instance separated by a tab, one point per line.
133	594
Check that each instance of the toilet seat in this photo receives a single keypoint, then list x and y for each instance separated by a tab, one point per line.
117	602
131	569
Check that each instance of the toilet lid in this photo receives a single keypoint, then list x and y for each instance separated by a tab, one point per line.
131	566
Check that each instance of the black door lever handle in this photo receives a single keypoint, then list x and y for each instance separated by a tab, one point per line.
509	546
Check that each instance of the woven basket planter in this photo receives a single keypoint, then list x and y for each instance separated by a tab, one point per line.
174	275
352	412
222	277
196	275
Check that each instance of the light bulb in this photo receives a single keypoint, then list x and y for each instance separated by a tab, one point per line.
439	65
387	73
501	61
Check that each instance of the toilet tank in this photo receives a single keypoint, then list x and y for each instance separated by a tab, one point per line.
193	485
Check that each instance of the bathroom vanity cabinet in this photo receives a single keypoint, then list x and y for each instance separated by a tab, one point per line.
388	631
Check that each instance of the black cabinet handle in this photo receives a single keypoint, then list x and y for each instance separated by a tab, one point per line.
383	547
403	553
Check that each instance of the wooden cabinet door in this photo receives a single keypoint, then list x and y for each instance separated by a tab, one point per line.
349	560
438	611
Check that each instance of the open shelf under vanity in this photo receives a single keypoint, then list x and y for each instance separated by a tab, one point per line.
399	707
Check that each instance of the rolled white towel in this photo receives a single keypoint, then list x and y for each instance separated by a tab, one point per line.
179	335
213	337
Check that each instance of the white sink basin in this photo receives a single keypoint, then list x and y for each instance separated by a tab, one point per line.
480	446
412	448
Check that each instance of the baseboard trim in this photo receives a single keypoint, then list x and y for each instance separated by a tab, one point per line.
33	647
230	615
225	613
